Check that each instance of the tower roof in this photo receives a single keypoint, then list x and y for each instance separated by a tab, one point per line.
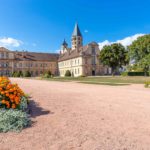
76	31
64	43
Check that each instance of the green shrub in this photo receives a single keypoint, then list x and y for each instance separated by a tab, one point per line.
48	74
133	73
14	74
23	103
82	76
147	84
27	74
17	74
124	74
20	74
13	120
137	73
68	73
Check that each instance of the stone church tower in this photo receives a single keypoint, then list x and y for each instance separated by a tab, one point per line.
64	46
77	39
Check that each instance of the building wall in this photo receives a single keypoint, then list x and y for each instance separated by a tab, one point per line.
89	63
73	65
9	64
36	68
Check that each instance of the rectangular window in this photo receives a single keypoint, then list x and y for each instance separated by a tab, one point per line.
93	61
93	51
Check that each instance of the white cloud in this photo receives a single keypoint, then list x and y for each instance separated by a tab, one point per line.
102	44
10	42
125	42
34	44
86	31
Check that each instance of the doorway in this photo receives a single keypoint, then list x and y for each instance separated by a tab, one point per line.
93	72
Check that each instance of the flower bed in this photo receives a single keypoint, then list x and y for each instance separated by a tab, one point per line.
13	105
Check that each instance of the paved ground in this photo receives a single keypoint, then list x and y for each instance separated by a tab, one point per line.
74	116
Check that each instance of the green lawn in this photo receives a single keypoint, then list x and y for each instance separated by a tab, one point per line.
107	80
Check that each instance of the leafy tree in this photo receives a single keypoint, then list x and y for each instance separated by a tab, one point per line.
145	64
114	56
140	48
68	73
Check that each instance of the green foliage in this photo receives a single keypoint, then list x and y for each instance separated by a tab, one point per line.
68	73
124	74
23	103
140	48
114	56
13	120
20	73
137	73
134	73
48	74
82	76
17	74
147	84
145	63
26	74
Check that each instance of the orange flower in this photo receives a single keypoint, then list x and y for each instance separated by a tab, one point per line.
7	94
3	101
11	91
7	104
2	92
13	106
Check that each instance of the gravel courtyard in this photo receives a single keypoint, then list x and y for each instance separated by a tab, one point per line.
75	116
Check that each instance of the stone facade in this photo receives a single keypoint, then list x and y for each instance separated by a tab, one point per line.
80	60
35	63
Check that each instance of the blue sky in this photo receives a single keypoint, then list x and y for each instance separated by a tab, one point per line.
41	25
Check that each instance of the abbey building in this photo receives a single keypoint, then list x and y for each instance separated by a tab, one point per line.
80	60
35	63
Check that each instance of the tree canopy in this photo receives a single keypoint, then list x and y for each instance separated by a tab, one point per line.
140	48
114	56
144	63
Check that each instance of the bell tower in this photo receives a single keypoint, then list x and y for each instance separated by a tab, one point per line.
64	46
76	38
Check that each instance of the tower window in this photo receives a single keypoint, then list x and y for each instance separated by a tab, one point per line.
93	51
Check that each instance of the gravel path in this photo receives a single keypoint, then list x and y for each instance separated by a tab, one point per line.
74	116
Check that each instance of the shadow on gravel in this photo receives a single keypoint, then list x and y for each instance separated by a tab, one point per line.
35	110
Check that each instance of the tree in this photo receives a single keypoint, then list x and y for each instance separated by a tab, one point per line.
68	73
139	48
114	56
144	63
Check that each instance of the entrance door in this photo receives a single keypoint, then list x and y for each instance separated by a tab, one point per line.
93	72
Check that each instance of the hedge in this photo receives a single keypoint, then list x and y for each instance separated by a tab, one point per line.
134	73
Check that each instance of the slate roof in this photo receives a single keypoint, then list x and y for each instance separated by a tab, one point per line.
74	53
65	43
33	56
76	31
3	49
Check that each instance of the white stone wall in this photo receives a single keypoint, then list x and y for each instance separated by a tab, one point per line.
73	65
